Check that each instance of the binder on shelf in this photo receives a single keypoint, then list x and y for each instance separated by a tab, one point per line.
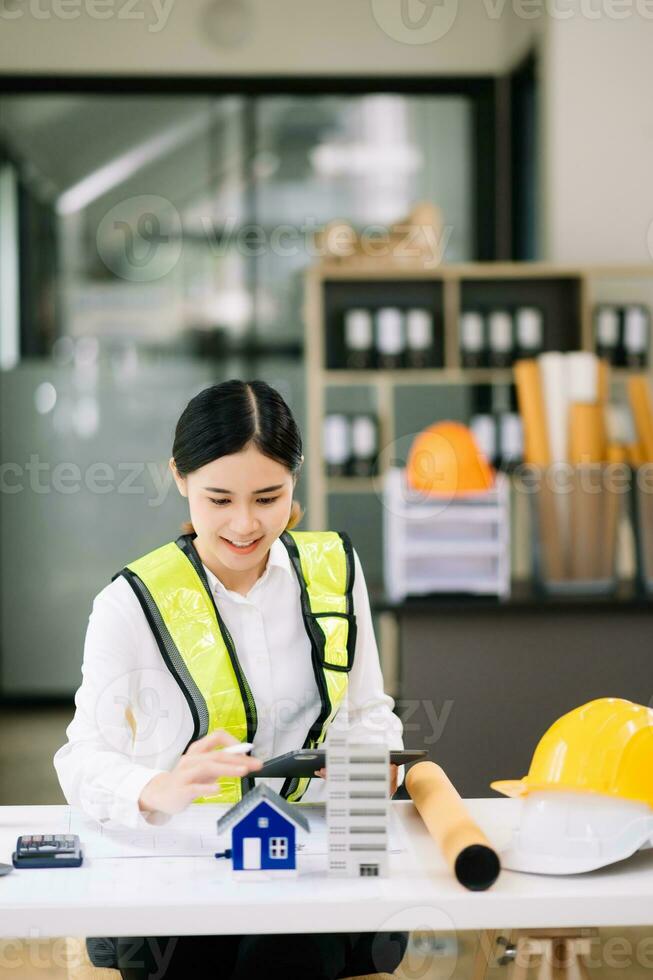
420	349
336	443
359	339
484	428
607	329
500	339
472	339
364	445
529	331
390	338
636	335
511	441
483	421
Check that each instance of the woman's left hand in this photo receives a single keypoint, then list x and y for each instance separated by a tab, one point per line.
393	777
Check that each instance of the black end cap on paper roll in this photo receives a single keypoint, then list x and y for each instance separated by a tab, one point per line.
477	867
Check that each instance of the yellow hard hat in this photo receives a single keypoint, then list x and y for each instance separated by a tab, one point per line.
445	459
605	746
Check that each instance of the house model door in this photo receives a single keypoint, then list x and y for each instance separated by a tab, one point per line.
251	853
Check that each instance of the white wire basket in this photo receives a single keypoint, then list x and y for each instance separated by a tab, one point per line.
443	545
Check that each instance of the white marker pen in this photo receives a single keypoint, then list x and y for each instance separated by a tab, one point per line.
238	749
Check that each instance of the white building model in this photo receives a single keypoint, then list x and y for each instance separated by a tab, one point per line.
357	810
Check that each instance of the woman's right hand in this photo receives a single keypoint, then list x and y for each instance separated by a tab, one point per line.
195	774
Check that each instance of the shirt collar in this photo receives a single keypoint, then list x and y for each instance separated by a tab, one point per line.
278	558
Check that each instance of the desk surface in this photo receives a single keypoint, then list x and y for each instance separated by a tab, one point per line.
196	895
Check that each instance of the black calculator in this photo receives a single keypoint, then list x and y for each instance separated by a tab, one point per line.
47	851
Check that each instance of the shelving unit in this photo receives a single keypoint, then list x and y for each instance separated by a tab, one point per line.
565	293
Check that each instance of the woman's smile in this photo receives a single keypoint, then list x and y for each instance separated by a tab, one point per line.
247	548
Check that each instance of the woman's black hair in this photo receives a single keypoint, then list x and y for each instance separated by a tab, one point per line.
227	417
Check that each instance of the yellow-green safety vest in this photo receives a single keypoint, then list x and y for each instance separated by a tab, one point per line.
196	646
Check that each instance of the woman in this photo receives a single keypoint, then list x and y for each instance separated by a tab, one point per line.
240	630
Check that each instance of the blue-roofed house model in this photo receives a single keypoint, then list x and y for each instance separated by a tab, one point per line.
263	833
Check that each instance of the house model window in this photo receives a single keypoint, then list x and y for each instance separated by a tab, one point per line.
263	822
279	847
369	870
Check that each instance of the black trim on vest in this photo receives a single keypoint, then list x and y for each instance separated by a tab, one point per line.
318	640
185	543
183	682
351	576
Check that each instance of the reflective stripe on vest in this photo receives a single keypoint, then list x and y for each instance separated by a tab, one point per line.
172	588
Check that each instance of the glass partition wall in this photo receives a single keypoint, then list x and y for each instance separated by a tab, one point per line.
152	245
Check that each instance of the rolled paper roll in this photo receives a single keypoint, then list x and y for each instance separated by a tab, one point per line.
589	499
619	425
604	381
587	438
639	395
465	848
552	526
585	524
582	376
635	454
553	378
531	409
616	453
611	510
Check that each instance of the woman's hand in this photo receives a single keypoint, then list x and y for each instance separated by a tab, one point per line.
195	774
393	777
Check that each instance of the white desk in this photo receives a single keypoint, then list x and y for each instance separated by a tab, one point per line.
196	895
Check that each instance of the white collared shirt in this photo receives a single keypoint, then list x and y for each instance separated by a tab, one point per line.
132	720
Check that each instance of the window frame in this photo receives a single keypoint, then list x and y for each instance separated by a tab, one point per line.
282	844
483	91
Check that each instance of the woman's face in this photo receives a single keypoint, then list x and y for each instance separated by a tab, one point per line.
239	500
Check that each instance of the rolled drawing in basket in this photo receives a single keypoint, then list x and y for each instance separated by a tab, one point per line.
639	395
464	847
537	453
587	449
615	456
552	367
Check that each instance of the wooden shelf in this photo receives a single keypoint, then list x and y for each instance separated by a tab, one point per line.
429	376
353	484
622	373
476	270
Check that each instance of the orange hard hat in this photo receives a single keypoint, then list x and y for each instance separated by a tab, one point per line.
445	459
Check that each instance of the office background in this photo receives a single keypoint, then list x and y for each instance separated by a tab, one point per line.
239	128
